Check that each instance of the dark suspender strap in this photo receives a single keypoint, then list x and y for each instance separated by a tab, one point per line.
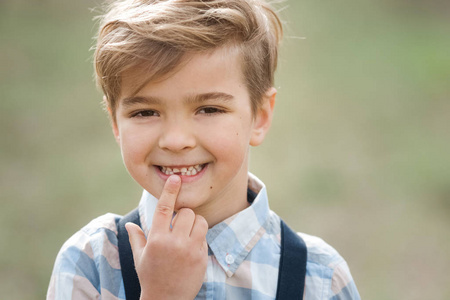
292	270
130	278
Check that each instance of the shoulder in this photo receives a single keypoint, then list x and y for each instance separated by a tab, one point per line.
97	238
327	271
86	257
319	251
99	233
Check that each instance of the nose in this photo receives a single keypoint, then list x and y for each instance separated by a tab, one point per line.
177	136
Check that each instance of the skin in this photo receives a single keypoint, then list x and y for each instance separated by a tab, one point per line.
181	276
200	115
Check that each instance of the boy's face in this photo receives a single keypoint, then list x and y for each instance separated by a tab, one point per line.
197	123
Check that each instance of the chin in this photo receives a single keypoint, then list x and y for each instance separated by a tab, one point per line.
188	201
186	204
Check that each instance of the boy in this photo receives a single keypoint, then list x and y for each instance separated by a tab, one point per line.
189	88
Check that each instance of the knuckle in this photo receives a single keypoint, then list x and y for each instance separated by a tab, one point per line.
186	212
171	192
179	246
158	242
180	243
164	210
202	223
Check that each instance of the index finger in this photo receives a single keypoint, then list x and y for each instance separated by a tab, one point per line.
166	203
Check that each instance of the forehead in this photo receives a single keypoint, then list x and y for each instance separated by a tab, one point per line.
218	70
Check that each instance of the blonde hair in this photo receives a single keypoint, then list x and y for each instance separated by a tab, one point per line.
154	36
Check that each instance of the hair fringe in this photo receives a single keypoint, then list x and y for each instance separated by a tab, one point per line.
156	34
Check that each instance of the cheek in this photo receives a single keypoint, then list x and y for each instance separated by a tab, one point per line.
133	145
232	143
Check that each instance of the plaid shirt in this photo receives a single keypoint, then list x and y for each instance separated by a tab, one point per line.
244	254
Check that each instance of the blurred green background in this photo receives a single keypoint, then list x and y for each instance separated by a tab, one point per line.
358	153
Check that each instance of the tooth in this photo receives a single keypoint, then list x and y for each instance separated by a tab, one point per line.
194	172
169	169
191	168
175	170
183	170
170	173
183	173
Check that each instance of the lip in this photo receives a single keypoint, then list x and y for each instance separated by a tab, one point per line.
184	178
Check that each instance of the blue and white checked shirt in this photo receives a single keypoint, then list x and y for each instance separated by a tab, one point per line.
244	254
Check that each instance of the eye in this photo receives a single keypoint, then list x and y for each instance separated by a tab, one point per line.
145	113
209	110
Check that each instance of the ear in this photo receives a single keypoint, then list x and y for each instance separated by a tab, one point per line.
263	118
115	129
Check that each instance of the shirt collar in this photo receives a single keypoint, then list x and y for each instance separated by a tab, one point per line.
231	240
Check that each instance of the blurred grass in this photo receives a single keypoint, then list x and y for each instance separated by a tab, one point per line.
358	152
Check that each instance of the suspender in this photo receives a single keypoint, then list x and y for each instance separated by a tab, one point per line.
292	270
130	278
291	273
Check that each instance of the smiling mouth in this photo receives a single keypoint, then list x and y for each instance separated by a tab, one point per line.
184	171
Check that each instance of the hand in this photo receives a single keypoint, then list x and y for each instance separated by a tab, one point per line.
171	263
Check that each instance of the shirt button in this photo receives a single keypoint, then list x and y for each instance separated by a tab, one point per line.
229	259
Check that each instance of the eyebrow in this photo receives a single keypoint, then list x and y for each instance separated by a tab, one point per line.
191	99
200	98
131	101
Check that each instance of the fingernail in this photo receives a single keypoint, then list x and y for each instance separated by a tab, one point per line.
174	179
